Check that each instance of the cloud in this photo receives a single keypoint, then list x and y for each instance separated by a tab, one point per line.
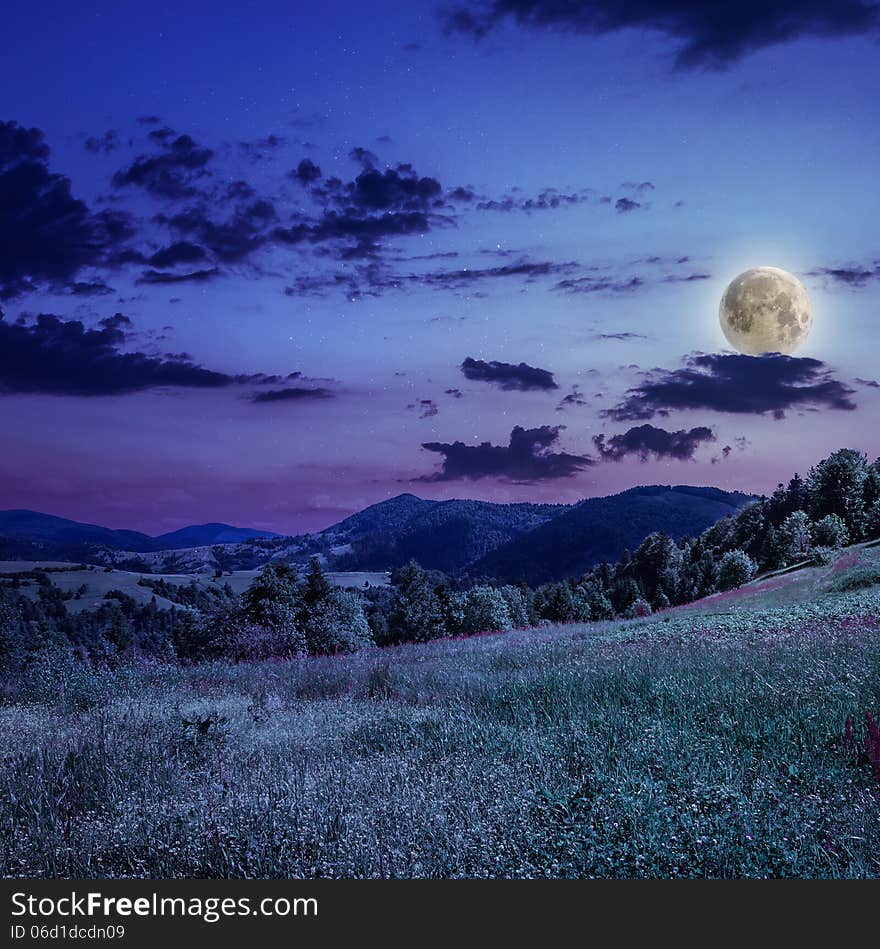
57	357
853	276
738	384
292	394
625	205
454	393
622	336
89	288
161	277
706	35
394	189
870	383
610	285
686	278
106	143
230	240
468	276
262	148
169	173
180	252
572	399
546	200
306	172
507	376
526	459
427	408
646	440
46	235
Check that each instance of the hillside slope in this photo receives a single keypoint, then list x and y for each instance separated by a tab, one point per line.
602	528
440	535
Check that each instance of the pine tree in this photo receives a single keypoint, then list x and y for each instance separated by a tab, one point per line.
316	586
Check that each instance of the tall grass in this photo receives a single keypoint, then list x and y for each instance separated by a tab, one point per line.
687	745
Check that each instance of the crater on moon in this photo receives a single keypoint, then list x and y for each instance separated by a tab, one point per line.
765	310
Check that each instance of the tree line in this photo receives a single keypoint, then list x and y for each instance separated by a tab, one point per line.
284	615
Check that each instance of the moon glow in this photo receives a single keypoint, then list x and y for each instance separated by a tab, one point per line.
765	310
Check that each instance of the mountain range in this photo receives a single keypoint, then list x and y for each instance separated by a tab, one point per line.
505	542
46	528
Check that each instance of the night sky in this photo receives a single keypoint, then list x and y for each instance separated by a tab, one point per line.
267	264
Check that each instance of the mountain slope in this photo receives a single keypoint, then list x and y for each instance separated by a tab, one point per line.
200	535
602	528
440	535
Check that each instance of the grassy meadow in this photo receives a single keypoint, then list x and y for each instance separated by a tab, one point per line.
706	741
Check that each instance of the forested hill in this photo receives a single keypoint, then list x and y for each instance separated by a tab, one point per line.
603	528
535	542
439	535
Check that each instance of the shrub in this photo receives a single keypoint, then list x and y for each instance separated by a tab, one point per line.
517	606
484	609
417	614
638	609
56	677
336	624
856	579
228	632
830	531
822	556
735	569
273	598
872	521
794	538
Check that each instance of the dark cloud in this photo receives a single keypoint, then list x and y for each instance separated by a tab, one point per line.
306	172
527	458
600	284
853	276
193	276
639	187
736	384
292	394
148	120
707	34
870	383
546	200
46	235
427	408
106	143
572	399
462	193
262	148
89	288
364	230
163	135
647	440
507	376
230	240
170	173
528	270
363	156
625	335
395	189
686	278
625	205
57	357
455	393
180	252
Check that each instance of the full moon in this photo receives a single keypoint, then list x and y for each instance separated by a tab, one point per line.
765	310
